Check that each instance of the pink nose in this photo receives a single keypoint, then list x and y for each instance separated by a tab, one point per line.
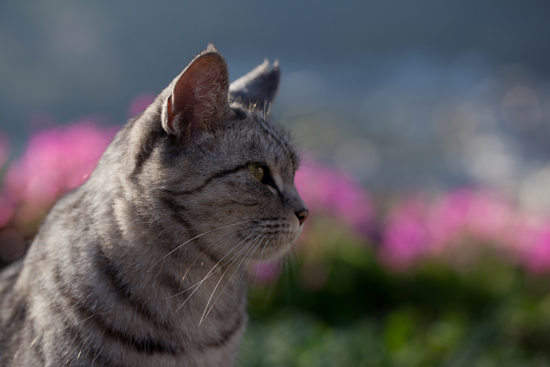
302	215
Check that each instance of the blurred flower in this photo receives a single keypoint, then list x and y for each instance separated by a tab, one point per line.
140	103
55	161
537	256
406	235
461	224
265	272
478	214
327	191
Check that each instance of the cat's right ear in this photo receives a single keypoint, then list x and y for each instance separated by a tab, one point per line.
198	97
258	88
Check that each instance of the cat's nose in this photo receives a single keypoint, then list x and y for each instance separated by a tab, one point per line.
302	215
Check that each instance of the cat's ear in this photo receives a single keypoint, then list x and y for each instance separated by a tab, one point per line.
198	97
258	88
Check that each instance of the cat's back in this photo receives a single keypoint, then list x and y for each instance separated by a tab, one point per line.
22	280
8	278
13	319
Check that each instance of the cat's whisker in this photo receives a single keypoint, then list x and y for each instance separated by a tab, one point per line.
256	275
190	266
243	273
204	279
216	287
194	238
194	261
236	289
221	292
232	275
96	356
211	272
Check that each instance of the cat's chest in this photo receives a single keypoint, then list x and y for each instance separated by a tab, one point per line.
204	336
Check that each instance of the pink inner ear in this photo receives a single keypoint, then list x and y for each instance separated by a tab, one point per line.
200	96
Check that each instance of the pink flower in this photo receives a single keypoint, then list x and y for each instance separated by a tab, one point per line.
448	216
524	231
265	272
55	161
461	223
537	259
140	103
406	237
326	190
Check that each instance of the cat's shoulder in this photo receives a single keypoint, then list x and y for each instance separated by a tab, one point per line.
9	274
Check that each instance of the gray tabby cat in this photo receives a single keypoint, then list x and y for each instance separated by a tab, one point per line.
130	268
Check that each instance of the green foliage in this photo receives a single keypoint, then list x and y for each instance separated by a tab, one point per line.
488	313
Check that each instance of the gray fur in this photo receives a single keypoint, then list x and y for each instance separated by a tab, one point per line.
111	278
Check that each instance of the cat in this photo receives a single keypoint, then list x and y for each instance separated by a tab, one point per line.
142	265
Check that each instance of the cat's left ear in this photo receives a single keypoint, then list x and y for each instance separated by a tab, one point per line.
258	88
198	97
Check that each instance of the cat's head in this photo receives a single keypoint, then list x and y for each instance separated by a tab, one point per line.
208	163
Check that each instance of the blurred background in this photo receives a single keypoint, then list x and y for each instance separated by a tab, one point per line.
425	127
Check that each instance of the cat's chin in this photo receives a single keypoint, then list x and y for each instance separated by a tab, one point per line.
278	250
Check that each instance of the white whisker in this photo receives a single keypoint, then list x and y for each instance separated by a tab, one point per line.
214	291
210	272
190	266
261	257
194	238
242	276
206	277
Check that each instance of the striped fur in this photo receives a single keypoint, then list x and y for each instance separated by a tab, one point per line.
142	265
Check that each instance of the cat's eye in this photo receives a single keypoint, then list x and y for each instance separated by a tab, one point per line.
257	170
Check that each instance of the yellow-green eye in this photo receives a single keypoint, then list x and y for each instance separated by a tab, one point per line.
257	171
